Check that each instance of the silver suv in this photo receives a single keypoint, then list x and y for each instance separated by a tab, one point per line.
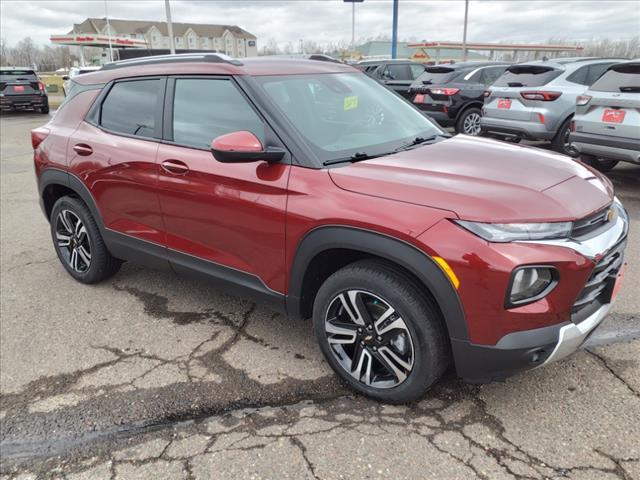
536	100
606	127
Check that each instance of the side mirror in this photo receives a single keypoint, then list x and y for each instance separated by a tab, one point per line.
243	147
65	77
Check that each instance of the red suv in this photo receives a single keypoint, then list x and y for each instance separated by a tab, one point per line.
312	187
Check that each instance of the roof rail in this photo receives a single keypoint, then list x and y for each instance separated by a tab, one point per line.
181	57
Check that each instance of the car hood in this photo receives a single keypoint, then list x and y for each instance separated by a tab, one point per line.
483	180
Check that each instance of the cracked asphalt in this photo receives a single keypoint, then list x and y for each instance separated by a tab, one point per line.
153	376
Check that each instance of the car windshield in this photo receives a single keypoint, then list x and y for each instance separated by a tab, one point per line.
620	78
10	75
437	75
344	114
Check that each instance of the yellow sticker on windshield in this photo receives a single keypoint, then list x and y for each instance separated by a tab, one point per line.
350	103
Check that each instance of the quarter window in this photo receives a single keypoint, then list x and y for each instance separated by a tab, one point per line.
204	109
131	106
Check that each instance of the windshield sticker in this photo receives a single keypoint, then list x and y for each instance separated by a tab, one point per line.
350	103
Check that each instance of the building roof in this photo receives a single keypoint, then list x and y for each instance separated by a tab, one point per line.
96	25
383	48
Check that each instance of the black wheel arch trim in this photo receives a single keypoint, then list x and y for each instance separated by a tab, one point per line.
467	106
382	245
54	176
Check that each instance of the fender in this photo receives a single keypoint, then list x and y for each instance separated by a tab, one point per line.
55	176
465	107
384	246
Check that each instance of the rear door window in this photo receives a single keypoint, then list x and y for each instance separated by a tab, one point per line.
527	76
131	107
397	72
491	74
579	76
206	108
596	71
620	78
416	70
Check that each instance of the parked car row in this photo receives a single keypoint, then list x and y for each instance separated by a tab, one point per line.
541	100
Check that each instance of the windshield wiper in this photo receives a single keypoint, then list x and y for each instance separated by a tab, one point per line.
418	141
356	157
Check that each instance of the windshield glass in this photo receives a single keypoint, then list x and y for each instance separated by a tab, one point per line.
9	75
437	75
341	114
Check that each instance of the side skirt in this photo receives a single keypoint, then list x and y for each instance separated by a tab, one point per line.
229	280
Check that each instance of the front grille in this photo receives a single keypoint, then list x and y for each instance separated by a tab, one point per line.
590	224
600	283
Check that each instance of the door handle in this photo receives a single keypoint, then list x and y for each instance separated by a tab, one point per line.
175	167
83	149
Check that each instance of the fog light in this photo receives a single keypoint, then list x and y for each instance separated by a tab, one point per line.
529	284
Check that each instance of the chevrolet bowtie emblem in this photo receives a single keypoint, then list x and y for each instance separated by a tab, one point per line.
368	338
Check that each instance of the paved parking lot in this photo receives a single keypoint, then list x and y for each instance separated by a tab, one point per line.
153	376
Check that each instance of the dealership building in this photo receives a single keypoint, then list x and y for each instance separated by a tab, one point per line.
229	39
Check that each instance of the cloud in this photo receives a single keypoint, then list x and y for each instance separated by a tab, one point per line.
330	20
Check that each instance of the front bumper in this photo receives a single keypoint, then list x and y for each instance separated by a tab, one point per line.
528	349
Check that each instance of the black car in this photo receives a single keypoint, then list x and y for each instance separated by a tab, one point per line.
398	75
453	94
20	88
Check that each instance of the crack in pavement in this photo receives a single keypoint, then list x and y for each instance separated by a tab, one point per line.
25	446
606	365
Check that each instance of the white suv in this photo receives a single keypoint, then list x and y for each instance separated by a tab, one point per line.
536	100
606	127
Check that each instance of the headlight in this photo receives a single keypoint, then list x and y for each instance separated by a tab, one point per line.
509	232
529	284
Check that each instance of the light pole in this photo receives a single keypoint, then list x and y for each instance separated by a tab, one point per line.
106	16
172	45
394	31
464	33
353	20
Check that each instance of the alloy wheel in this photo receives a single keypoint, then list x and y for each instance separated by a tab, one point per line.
369	339
73	241
471	125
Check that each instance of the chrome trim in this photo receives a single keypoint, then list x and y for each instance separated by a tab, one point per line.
595	246
571	336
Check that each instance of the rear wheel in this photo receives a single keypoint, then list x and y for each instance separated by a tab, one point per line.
45	108
469	122
561	142
78	242
599	164
380	332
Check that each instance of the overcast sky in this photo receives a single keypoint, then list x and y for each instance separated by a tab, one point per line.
330	20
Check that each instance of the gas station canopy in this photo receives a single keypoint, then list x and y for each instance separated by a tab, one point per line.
102	41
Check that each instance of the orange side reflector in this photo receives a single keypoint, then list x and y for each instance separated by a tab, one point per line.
448	270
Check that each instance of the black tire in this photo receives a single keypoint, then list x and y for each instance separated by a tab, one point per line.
428	340
466	123
45	109
599	164
101	264
560	141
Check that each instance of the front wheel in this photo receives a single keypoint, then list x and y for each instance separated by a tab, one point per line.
469	122
380	332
